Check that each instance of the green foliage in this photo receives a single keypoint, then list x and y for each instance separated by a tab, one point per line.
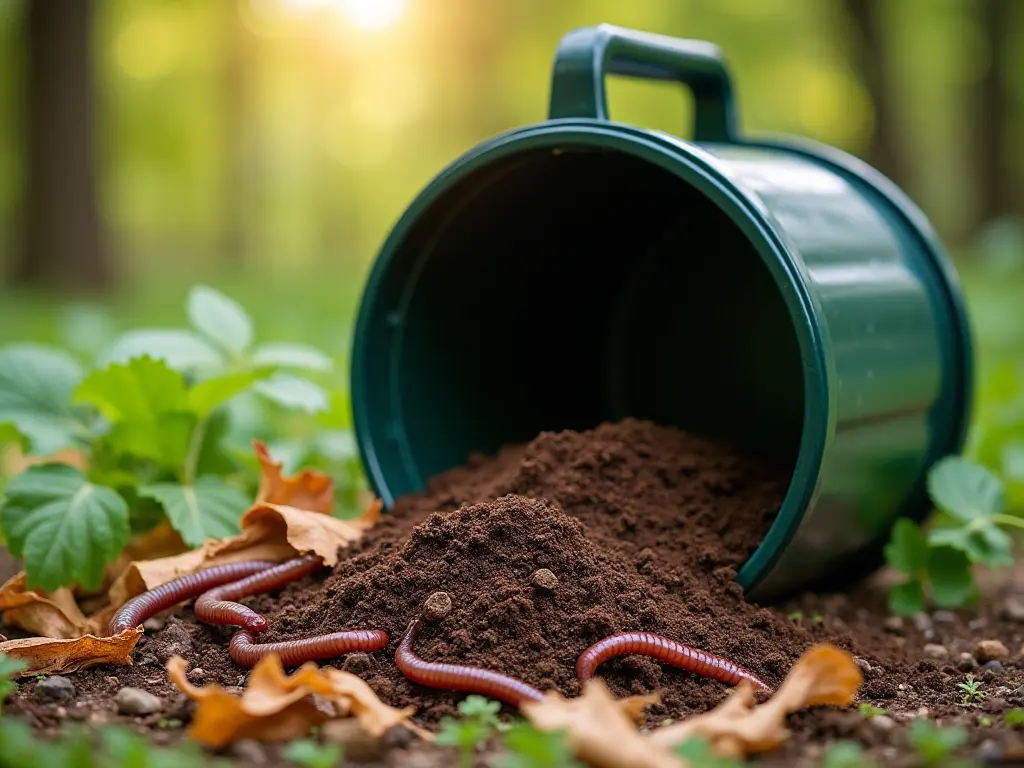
312	754
697	752
934	745
868	711
8	668
938	564
846	754
528	747
984	721
479	719
156	420
1014	717
972	690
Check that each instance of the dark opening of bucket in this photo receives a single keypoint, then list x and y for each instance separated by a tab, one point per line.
560	289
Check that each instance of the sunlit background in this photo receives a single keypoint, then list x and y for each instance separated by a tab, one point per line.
266	146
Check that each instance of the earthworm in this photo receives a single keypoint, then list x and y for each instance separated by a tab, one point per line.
663	649
456	677
218	606
246	652
140	608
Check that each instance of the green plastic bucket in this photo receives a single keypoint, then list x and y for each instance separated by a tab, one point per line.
779	294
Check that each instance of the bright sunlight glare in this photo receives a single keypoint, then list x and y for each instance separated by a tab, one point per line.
363	14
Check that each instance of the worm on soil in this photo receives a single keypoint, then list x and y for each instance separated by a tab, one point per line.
456	677
668	651
218	606
246	652
150	603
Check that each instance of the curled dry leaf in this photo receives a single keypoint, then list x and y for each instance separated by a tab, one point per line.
309	489
51	614
46	655
279	706
824	674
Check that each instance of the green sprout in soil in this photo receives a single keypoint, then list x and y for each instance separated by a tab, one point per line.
933	744
1014	717
312	754
972	690
698	754
817	618
796	616
846	754
984	721
479	719
528	747
868	711
9	667
969	531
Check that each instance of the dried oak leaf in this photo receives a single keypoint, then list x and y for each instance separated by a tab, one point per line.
824	674
51	614
278	706
47	655
308	489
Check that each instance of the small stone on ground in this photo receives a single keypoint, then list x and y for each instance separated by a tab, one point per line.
135	701
56	688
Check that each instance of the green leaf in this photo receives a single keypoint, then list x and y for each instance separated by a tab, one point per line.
147	402
9	667
220	318
845	754
933	745
906	598
907	550
35	395
300	356
311	754
531	748
66	528
965	489
291	391
1014	717
952	582
697	752
180	349
989	544
209	509
204	397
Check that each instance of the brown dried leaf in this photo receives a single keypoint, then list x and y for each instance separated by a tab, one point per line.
824	674
309	489
600	731
279	706
47	655
51	614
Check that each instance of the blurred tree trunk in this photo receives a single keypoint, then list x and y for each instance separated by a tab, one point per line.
233	245
870	59
61	246
991	117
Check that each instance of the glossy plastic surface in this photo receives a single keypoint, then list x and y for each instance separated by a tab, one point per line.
777	294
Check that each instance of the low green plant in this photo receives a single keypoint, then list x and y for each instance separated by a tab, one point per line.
698	754
984	721
937	563
151	419
9	667
479	719
528	747
868	711
972	690
313	754
846	754
795	616
934	745
817	618
1014	717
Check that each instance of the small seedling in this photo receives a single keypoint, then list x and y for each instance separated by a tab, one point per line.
817	618
9	667
933	744
479	719
1014	717
868	711
312	754
795	616
984	721
846	754
483	710
972	690
698	754
530	748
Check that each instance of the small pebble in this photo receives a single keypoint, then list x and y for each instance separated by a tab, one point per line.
60	712
987	650
147	659
153	624
135	701
923	712
989	752
544	579
174	641
197	674
979	623
944	617
250	752
356	663
935	651
882	722
922	621
893	624
966	662
994	665
862	665
1013	608
398	736
437	606
55	688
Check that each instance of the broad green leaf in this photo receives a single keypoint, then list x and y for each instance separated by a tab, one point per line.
907	550
291	391
300	356
65	527
990	544
208	509
965	490
204	397
35	396
181	349
906	598
531	748
220	318
952	582
932	743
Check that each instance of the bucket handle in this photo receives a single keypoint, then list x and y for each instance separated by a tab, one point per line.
585	56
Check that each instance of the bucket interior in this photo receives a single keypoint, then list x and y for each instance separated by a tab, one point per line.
560	289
